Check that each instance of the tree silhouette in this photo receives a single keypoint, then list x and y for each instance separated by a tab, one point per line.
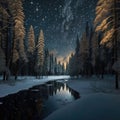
107	21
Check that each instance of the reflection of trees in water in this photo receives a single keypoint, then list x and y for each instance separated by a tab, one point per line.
39	105
25	105
28	104
21	106
73	93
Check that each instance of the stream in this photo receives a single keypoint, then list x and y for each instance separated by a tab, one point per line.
37	102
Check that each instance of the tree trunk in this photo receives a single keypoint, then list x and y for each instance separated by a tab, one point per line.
115	46
16	76
4	76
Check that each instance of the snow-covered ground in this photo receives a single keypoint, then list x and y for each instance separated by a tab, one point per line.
91	107
99	101
87	86
98	98
25	82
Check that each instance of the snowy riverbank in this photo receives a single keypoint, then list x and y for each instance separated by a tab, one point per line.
25	82
98	98
99	101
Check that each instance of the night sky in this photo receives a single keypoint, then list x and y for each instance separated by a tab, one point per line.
61	21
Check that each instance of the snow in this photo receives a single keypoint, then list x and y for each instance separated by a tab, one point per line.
86	86
91	107
98	98
98	101
25	82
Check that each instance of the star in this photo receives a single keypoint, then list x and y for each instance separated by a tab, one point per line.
50	16
37	9
43	19
55	9
31	2
60	6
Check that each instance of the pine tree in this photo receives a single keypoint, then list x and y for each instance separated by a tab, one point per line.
40	53
107	20
31	40
90	36
4	30
55	67
77	57
63	68
31	51
51	65
17	48
95	47
12	32
16	10
84	53
71	69
77	46
3	19
96	53
3	67
46	62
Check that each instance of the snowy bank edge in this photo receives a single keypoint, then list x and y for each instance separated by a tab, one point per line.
28	82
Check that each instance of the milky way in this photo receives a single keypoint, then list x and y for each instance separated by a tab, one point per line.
61	21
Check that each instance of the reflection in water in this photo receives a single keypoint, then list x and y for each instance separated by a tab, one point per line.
37	102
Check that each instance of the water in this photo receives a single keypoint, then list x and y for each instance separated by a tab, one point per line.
37	102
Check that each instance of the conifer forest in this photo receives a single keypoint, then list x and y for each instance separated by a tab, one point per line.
96	48
47	40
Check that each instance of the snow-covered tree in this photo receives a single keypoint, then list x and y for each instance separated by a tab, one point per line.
107	12
18	55
12	32
31	51
40	53
107	20
3	14
31	40
16	9
4	34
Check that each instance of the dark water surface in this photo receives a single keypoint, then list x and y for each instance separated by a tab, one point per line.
37	102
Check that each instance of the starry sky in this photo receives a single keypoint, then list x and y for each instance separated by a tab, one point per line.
61	21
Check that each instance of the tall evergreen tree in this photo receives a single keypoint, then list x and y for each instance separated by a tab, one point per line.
31	51
16	10
18	51
71	68
84	54
55	67
4	38
46	62
51	65
40	53
77	57
107	20
95	47
31	40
